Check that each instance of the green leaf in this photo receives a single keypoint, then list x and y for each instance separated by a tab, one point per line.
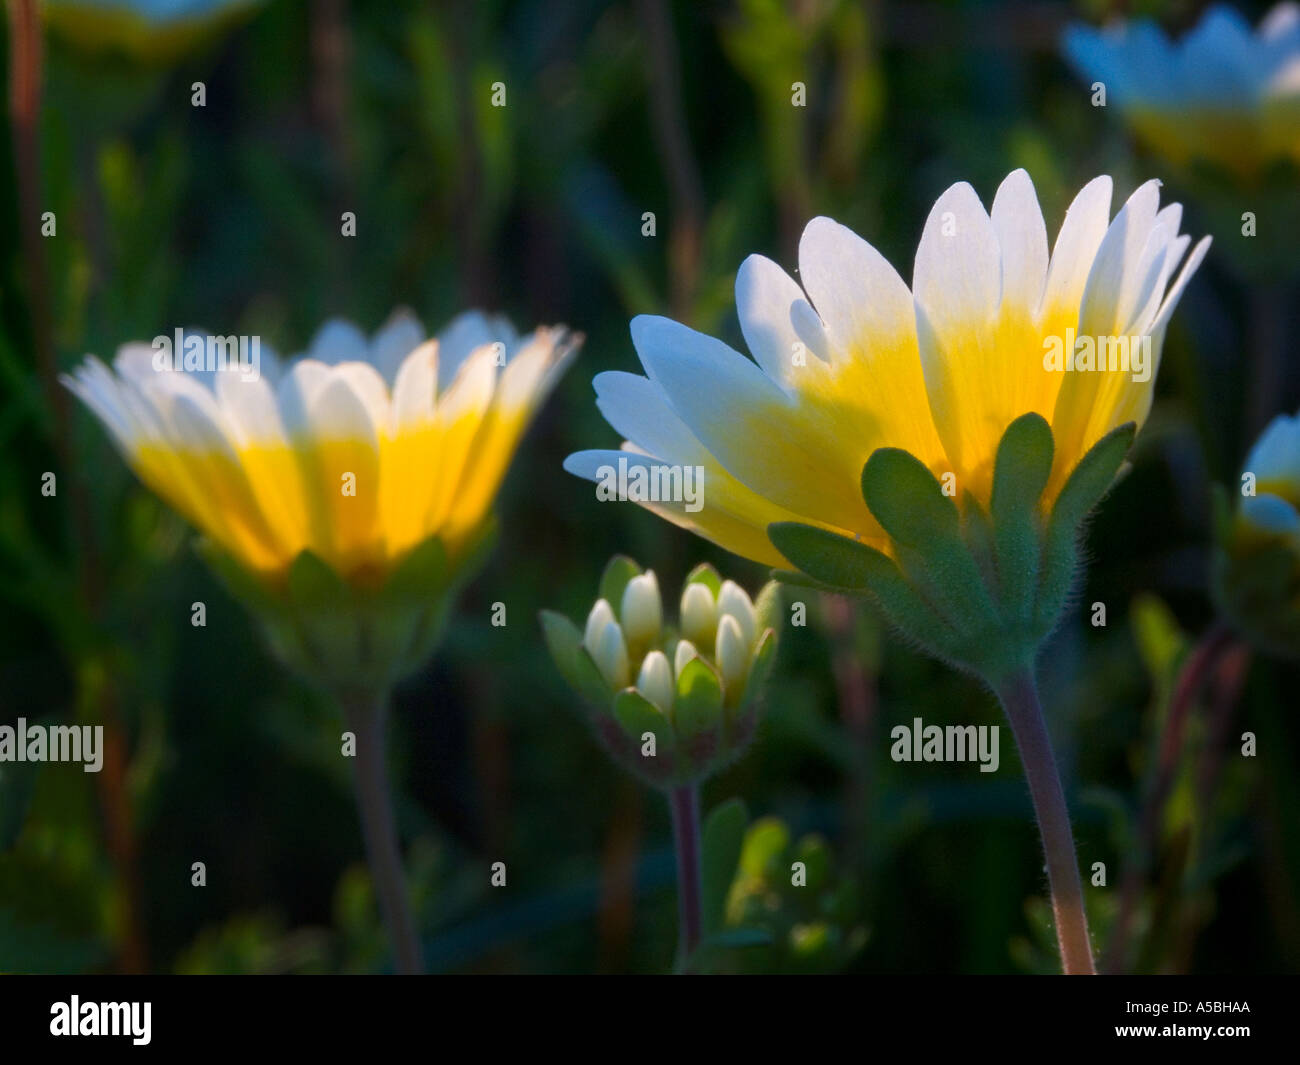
764	849
706	575
614	580
1024	463
723	837
697	707
564	641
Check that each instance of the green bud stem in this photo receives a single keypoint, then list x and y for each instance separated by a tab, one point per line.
366	714
1019	696
685	804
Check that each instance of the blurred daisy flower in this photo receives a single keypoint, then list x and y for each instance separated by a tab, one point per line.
262	461
1257	557
1222	95
343	497
937	448
156	30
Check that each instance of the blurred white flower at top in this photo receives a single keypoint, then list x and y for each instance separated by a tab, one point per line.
147	29
1223	94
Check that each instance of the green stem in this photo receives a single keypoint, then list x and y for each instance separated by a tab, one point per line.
685	804
366	715
1019	696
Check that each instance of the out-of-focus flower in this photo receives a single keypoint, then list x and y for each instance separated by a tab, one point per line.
1257	558
157	30
1223	95
343	494
671	709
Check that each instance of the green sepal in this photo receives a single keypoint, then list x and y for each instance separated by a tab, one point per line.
697	705
794	579
241	584
832	560
1023	466
424	569
564	641
908	501
706	575
614	581
721	842
637	715
760	668
769	607
313	584
1082	491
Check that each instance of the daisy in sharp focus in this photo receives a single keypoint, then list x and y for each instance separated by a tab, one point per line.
938	447
849	360
1223	94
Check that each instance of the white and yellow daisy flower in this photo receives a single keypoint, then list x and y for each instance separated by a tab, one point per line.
1274	464
1223	94
345	494
1256	578
356	450
850	360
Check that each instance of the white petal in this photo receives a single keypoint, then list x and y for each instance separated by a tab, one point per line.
957	280
775	318
1110	291
1022	237
415	388
856	292
1076	246
338	341
396	339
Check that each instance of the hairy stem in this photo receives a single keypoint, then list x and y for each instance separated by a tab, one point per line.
1019	696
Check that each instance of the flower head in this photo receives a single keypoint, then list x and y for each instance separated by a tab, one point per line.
671	704
1222	95
993	327
1257	557
358	465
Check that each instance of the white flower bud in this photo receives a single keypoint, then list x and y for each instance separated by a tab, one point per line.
655	680
601	615
685	652
642	612
699	614
610	655
733	657
733	600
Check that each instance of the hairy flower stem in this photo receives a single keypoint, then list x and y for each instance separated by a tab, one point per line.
366	715
685	803
1019	696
